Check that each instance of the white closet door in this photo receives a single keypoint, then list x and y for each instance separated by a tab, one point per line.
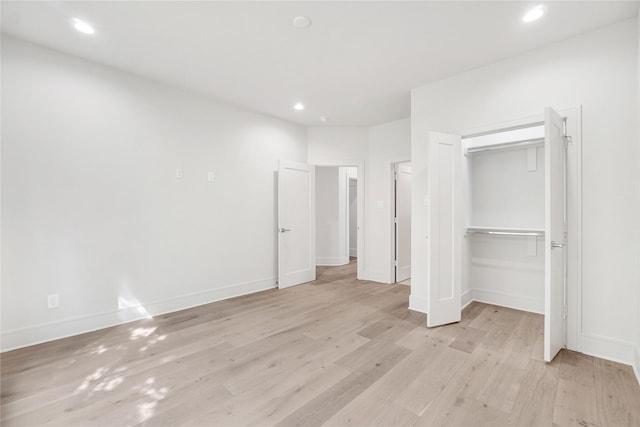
444	229
555	234
296	224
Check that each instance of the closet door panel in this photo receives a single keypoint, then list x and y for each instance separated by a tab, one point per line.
445	229
555	235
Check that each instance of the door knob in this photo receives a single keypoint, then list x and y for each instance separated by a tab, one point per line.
283	230
557	245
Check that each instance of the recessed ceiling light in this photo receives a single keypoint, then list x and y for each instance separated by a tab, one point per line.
324	119
534	14
298	106
83	27
301	22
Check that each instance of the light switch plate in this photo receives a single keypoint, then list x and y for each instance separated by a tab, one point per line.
179	174
380	204
211	177
53	301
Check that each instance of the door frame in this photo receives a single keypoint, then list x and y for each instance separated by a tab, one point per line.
574	206
394	242
348	192
360	200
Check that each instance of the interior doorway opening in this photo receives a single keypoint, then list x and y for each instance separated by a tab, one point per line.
402	223
337	226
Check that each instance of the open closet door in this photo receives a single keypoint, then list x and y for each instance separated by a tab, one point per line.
444	229
555	150
296	224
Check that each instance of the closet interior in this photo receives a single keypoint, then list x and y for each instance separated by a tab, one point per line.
504	218
497	223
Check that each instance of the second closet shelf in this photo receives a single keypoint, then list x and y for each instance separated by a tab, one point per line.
506	231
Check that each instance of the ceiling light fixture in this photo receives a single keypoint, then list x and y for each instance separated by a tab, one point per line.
83	27
301	22
534	14
298	106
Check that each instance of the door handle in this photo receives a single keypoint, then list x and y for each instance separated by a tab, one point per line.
557	245
284	230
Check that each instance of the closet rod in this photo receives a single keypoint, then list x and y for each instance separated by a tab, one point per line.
505	145
508	233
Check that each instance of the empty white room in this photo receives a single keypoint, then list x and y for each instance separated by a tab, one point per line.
305	213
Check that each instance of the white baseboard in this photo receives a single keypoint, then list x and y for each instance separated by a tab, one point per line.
466	298
332	262
353	252
377	276
609	348
418	304
523	303
36	334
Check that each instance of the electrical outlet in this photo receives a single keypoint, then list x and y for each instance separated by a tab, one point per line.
179	174
53	301
211	177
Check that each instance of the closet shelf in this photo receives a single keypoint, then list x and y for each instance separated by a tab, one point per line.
506	145
502	231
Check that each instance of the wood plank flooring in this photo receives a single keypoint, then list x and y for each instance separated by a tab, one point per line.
335	352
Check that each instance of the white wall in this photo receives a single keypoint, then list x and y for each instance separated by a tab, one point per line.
91	207
598	70
388	143
332	145
331	216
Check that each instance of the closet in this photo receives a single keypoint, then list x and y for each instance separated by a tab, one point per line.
497	223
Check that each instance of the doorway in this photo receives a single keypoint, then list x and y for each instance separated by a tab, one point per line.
402	222
337	226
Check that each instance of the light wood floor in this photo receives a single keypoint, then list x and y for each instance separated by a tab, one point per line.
337	352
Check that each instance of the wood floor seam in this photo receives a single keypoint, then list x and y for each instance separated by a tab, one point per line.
334	352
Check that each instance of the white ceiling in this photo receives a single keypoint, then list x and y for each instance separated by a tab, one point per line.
356	63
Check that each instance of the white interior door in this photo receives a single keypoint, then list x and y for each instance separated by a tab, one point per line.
444	262
555	150
296	224
403	221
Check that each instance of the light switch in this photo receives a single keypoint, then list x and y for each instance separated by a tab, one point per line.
211	177
179	173
380	204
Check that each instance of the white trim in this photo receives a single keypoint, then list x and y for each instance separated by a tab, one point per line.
418	304
332	262
533	305
609	348
43	332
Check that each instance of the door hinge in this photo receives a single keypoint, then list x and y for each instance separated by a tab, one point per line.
565	312
567	138
395	220
395	263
